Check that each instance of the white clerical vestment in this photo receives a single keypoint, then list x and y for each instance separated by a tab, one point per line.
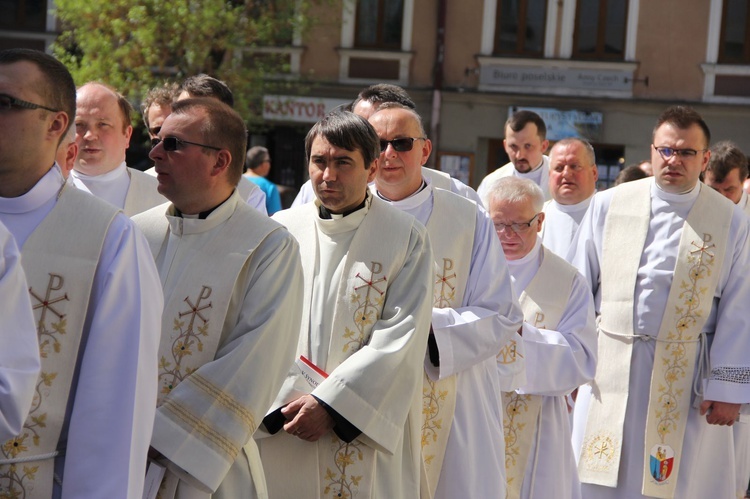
105	436
560	357
468	338
707	459
539	175
435	177
126	188
19	356
560	225
741	428
233	289
367	302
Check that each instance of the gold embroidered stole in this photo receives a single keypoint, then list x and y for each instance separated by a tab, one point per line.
696	274
193	323
142	194
343	469
451	228
60	260
543	302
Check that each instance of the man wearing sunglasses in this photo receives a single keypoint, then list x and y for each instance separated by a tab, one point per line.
96	297
525	143
667	260
233	288
475	316
103	133
558	333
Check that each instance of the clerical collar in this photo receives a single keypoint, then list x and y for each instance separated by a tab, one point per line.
325	213
575	208
202	215
120	170
413	194
670	197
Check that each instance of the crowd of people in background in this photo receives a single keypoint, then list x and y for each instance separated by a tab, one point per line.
176	333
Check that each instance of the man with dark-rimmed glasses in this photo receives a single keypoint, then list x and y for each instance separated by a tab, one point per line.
232	283
667	260
475	315
96	297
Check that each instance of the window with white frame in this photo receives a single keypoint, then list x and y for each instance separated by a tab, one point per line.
727	67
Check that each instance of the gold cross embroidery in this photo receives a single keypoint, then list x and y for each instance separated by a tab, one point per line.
55	284
196	309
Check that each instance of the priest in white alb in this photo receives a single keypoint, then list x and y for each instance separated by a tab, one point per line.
232	283
103	132
559	345
347	421
667	259
525	143
475	317
96	298
572	183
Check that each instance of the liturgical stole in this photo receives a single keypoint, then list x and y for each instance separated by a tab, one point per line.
699	261
142	194
192	326
543	302
451	228
376	254
60	260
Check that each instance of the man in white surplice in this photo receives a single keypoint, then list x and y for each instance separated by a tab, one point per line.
572	183
103	133
726	171
558	333
667	260
346	422
201	85
19	357
525	143
97	301
475	315
232	286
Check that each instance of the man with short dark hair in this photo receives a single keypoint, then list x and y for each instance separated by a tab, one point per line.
666	258
475	316
347	420
525	143
103	133
257	167
726	172
97	299
156	106
572	183
232	285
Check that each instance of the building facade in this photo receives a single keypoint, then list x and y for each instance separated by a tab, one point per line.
600	69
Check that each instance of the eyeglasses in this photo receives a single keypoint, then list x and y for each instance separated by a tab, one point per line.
667	152
7	103
404	144
173	143
516	227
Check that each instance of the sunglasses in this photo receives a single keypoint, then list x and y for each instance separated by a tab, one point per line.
8	102
400	145
171	144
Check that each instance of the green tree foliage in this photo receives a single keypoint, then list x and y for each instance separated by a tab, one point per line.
136	45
